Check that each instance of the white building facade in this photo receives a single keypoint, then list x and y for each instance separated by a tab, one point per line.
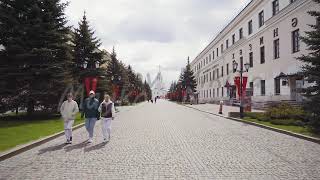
265	35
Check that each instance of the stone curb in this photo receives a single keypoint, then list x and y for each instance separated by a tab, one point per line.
20	149
304	137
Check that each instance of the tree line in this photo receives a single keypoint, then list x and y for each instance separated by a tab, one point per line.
184	89
41	56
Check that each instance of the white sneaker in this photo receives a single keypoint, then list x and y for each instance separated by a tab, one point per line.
89	140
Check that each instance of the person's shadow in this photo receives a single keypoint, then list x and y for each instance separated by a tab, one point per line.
96	147
51	148
76	146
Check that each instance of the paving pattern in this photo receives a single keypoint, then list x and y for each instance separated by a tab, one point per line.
169	141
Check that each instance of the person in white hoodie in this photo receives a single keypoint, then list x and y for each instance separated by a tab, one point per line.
107	111
68	110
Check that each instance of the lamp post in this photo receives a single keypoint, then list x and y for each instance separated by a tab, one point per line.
241	71
90	80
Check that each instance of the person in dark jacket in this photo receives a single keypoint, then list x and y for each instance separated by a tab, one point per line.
90	110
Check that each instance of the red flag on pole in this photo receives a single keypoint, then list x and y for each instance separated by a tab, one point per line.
87	81
244	85
237	83
94	81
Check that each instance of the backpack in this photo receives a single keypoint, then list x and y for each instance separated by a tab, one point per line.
106	110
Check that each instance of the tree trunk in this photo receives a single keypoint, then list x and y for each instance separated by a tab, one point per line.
30	108
17	110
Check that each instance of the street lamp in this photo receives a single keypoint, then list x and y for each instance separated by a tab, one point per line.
90	82
241	71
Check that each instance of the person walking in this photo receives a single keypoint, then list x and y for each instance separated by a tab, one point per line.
108	112
91	113
68	110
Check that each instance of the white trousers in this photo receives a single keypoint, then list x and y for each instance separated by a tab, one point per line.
106	127
68	128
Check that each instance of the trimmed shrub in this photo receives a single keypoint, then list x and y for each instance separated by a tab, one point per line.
257	115
285	111
286	122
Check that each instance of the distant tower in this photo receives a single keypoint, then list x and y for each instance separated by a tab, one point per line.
157	86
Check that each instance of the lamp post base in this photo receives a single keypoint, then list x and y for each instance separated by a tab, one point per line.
241	112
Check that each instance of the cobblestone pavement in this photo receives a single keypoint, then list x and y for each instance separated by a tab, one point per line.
214	108
169	141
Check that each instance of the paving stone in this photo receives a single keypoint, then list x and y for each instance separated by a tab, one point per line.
169	141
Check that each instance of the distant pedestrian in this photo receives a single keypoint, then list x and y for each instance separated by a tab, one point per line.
90	110
108	112
68	110
155	99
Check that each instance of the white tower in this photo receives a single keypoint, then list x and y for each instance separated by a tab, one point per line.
157	86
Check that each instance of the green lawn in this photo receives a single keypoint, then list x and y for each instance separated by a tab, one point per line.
16	132
295	129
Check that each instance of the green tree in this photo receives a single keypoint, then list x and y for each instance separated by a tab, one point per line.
147	90
187	80
311	69
86	51
36	54
114	75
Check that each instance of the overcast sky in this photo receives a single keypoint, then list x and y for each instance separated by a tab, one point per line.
149	33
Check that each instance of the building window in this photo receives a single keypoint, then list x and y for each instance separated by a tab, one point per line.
210	92
251	88
251	59
221	48
240	33
222	92
213	92
233	38
261	18
217	73
291	1
213	75
275	7
263	87
227	43
277	86
221	71
227	69
212	55
262	55
217	52
276	52
210	76
217	92
295	41
250	27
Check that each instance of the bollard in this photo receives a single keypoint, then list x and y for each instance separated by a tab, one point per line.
221	106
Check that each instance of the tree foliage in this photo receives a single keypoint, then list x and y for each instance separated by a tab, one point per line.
36	54
311	69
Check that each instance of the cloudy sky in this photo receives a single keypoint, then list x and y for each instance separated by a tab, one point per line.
149	33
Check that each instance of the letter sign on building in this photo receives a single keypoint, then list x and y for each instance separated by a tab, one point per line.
294	22
261	40
275	32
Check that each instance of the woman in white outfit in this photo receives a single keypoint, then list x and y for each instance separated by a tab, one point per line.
68	110
107	111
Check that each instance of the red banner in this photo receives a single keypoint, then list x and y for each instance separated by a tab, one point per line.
237	83
90	84
87	83
94	82
244	85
